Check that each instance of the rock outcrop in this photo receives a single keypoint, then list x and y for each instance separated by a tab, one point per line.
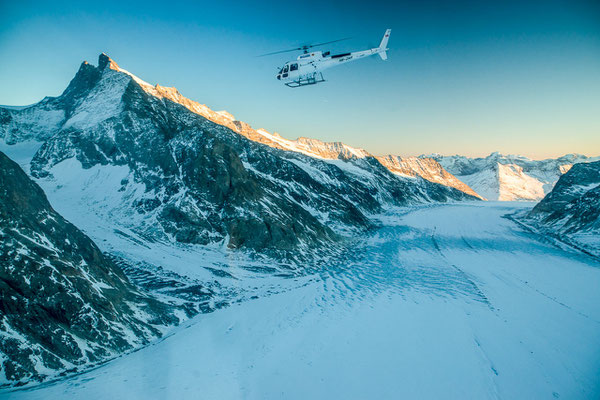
572	209
63	304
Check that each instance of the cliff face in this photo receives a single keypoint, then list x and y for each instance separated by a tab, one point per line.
63	304
571	205
572	208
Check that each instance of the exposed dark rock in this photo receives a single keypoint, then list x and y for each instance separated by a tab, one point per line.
63	304
570	213
574	203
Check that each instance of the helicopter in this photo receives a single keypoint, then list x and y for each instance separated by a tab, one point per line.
307	68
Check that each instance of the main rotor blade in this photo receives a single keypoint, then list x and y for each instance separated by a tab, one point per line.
333	41
281	51
305	47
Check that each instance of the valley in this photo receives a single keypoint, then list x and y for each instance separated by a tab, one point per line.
153	247
449	301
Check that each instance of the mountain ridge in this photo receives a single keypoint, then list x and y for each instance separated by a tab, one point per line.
505	180
196	176
498	177
427	168
308	146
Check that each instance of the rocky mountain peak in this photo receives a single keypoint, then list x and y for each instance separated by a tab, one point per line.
105	61
86	77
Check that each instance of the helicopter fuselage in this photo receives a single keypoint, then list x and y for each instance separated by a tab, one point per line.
307	68
309	64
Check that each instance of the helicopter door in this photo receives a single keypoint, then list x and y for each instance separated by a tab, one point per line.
285	71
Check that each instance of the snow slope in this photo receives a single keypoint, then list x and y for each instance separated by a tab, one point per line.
449	301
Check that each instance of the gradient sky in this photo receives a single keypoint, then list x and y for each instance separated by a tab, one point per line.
462	77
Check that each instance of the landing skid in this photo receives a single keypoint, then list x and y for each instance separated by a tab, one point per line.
306	80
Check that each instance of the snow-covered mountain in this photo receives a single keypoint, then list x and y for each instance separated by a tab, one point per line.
426	168
175	170
407	167
141	163
509	177
572	208
63	303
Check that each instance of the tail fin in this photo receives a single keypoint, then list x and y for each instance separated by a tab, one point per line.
383	44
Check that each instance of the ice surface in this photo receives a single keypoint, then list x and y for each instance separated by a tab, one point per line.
21	152
450	301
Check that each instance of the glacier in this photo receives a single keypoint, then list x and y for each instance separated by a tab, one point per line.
444	301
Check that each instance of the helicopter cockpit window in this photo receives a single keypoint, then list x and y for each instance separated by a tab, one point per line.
285	69
293	67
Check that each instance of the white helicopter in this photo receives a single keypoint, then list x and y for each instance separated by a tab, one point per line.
307	68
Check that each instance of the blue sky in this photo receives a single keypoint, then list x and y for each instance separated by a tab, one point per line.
462	77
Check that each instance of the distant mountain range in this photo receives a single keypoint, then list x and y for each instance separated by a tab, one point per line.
509	178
